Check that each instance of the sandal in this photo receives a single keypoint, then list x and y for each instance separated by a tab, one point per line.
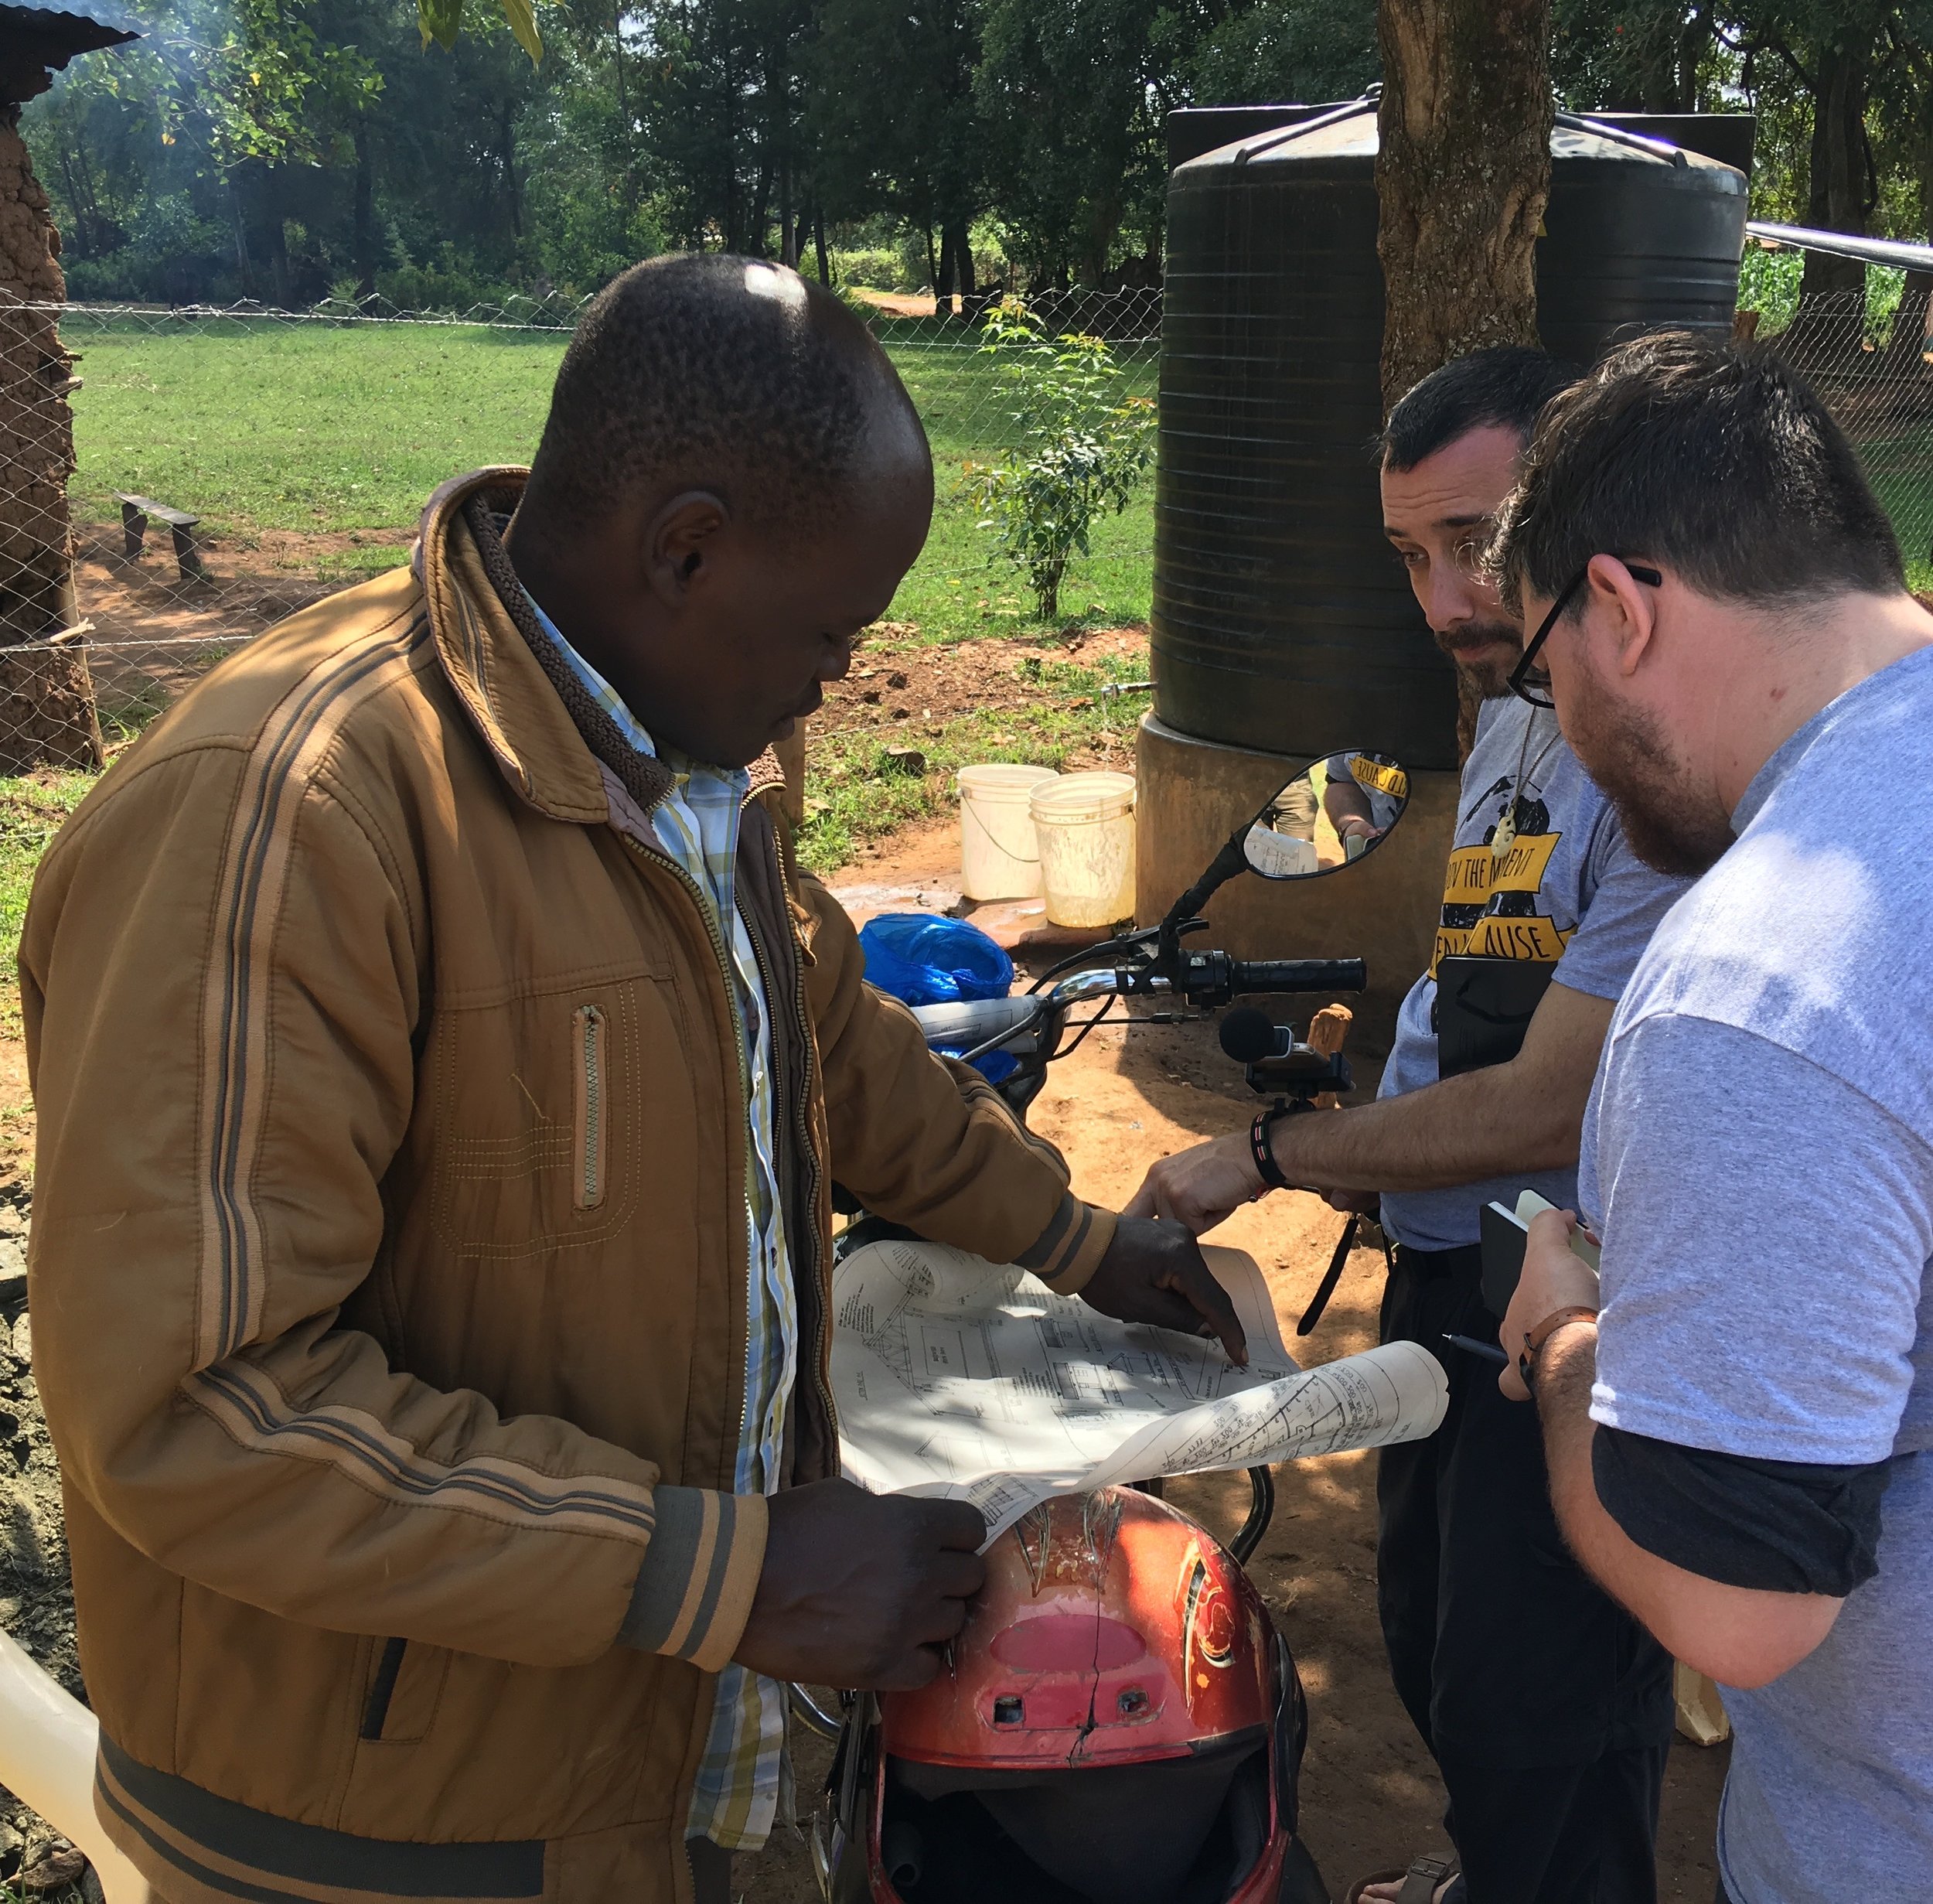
1419	1883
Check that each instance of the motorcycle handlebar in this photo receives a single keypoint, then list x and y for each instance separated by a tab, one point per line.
1260	975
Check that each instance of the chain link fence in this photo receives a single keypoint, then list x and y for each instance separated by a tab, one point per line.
174	481
1867	352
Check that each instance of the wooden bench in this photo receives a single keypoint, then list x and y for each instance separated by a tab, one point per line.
135	513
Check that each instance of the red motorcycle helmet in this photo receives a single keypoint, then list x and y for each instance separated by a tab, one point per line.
1119	1723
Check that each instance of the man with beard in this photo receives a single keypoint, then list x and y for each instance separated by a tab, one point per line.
1725	632
1552	1785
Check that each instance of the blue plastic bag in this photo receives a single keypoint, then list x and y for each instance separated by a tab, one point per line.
924	959
921	958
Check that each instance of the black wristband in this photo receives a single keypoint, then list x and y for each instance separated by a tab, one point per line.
1269	1170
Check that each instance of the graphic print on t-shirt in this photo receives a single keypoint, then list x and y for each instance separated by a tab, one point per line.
1490	899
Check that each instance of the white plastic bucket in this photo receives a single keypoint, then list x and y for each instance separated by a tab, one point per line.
1084	823
47	1744
998	857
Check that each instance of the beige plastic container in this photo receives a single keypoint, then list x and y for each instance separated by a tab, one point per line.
999	858
1085	824
47	1744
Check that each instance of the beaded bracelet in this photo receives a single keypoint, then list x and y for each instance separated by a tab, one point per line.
1269	1171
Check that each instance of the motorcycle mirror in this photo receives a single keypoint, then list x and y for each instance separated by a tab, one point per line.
1332	813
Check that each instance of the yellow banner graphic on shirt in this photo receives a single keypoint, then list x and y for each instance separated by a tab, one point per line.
1391	780
1474	872
1535	940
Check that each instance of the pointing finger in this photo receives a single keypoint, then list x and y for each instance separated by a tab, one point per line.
1211	1300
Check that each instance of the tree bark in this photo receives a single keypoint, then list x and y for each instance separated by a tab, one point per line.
1836	199
956	262
1907	343
365	219
818	244
46	700
1463	171
507	149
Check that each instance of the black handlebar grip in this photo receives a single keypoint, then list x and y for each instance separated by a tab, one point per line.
1257	975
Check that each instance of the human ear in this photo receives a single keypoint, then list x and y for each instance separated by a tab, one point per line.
1620	612
680	544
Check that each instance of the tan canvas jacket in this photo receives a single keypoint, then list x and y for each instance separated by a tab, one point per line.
388	1270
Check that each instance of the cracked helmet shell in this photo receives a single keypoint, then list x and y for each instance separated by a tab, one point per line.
1111	1630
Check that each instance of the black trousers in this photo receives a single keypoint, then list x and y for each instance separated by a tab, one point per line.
1549	1711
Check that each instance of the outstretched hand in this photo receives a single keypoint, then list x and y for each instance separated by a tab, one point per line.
1155	1272
1200	1187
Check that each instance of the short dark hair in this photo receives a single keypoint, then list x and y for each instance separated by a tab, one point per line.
1717	460
1502	385
708	371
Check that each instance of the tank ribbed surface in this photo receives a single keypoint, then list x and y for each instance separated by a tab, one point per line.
1282	622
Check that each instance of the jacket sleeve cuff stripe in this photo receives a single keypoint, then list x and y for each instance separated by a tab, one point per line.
694	1592
1067	1253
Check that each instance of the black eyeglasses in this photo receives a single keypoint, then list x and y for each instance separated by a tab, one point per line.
1530	682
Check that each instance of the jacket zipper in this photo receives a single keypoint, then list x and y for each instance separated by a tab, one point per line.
721	953
822	1387
822	1382
590	1020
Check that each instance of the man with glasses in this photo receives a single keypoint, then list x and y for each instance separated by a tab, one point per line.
1553	1778
1738	1447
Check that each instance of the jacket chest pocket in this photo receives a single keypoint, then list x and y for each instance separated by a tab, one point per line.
547	1109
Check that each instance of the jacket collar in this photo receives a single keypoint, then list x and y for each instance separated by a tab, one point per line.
552	741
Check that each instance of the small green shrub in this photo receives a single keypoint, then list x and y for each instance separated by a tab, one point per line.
1084	443
874	268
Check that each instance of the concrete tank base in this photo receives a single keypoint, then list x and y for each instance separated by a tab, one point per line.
1191	794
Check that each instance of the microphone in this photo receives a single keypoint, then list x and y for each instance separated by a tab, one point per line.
1251	1037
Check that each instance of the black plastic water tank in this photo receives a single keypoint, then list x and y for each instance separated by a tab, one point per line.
1282	622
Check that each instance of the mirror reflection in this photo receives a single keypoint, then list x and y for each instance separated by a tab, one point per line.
1332	813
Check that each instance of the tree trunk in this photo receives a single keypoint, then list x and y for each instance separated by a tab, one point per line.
1462	170
506	148
244	270
624	112
365	219
1831	312
956	259
1693	43
46	700
819	244
1907	343
754	244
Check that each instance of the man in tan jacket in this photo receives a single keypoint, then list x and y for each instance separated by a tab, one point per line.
443	1068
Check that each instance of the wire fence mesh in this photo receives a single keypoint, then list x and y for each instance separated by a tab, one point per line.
173	481
1867	354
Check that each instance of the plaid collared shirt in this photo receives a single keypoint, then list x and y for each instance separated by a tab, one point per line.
736	1799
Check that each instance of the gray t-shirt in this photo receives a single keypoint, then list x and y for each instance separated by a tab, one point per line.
1758	1157
1569	893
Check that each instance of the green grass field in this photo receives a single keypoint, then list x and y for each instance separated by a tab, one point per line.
257	424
